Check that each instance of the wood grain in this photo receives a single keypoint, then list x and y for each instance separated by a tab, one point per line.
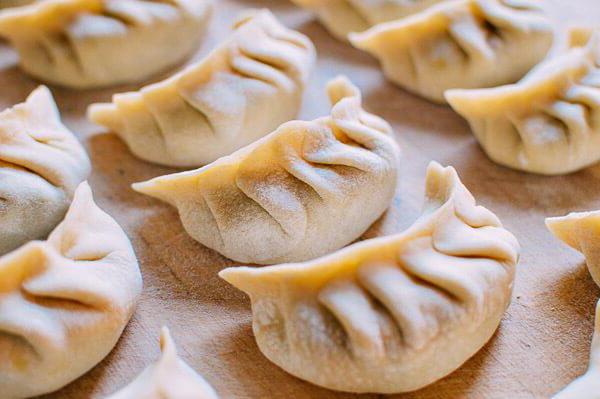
543	341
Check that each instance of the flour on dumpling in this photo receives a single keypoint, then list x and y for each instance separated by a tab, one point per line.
303	190
64	302
91	43
41	165
548	123
391	314
460	44
169	378
243	90
342	17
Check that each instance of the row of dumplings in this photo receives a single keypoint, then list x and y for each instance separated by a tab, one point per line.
369	318
470	53
391	314
387	315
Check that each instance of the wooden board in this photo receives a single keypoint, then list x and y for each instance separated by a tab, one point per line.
542	343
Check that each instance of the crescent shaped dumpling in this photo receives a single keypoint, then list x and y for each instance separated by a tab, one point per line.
304	190
168	378
41	165
64	302
548	122
342	17
460	44
391	314
580	231
588	385
241	91
94	43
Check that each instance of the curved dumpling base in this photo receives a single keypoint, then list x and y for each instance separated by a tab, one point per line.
304	190
94	43
391	314
548	123
217	105
588	385
41	164
342	17
460	44
64	302
580	231
168	378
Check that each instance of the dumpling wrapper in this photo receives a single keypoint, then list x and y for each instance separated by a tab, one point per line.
302	191
580	231
548	123
588	385
64	302
243	90
391	314
41	165
342	17
94	43
168	378
460	44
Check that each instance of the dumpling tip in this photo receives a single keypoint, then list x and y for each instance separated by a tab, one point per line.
105	114
341	87
240	277
565	227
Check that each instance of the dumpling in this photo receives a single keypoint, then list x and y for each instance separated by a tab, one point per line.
304	190
92	43
580	231
41	165
342	17
64	302
243	90
548	123
460	44
588	385
391	314
168	378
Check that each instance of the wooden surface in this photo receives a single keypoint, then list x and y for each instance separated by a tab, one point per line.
542	343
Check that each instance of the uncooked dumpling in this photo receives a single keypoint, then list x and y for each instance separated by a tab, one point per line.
91	43
580	231
302	191
168	378
41	165
588	385
342	17
549	122
391	314
64	302
460	44
240	92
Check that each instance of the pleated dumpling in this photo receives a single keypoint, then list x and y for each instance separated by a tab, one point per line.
304	190
342	17
93	43
391	314
64	302
41	165
588	385
460	44
168	378
548	123
240	92
580	231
